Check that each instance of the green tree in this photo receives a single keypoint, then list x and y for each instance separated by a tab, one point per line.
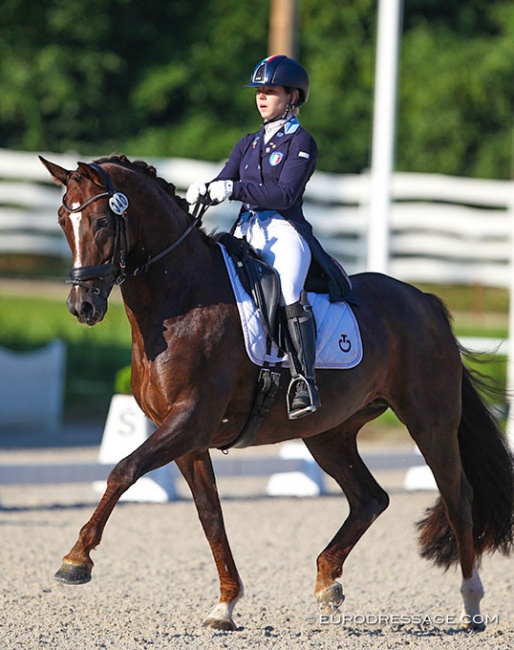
337	47
166	79
457	95
54	69
192	103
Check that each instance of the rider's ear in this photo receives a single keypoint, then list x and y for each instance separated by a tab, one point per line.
90	172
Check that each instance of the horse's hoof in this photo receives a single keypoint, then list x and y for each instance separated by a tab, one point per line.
330	598
220	624
73	574
473	625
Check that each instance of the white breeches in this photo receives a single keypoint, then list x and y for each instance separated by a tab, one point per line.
283	248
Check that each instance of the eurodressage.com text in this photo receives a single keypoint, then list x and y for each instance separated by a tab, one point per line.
406	619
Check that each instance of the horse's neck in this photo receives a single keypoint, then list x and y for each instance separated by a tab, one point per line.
156	232
188	278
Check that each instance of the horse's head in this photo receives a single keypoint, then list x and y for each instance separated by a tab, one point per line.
93	218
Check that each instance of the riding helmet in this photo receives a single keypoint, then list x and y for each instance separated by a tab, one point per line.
280	70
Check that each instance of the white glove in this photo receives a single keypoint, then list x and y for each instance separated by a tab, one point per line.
220	190
195	191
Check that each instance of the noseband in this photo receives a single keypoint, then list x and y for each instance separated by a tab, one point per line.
118	204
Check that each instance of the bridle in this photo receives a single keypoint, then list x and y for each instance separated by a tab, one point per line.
117	266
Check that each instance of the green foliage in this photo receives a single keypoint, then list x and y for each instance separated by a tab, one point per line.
122	381
166	79
459	120
337	47
472	299
94	355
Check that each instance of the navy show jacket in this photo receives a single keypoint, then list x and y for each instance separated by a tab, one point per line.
273	176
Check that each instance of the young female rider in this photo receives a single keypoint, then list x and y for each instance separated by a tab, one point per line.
268	171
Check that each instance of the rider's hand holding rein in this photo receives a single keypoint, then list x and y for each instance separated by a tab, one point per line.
213	193
194	192
219	191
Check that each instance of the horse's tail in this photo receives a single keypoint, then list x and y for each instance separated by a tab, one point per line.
489	468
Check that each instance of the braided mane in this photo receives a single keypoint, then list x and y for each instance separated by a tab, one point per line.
149	170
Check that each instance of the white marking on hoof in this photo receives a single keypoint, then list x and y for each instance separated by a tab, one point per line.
330	598
472	593
221	616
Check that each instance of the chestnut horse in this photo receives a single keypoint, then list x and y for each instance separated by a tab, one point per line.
191	375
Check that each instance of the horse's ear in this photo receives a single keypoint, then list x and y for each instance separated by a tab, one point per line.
59	174
90	172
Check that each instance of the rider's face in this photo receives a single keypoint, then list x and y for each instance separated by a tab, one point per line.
271	101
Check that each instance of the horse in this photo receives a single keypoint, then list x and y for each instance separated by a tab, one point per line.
192	376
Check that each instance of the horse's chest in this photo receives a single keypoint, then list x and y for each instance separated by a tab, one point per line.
150	395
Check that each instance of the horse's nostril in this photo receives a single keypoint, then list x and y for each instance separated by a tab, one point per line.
86	311
72	306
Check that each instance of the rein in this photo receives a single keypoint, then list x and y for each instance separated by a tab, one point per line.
118	204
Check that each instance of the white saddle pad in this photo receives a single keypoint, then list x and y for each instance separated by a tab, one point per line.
338	340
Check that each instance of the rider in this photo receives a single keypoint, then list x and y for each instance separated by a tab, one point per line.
268	171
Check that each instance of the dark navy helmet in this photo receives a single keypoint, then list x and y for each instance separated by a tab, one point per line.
280	70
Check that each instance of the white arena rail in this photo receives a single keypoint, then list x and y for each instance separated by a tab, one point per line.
443	229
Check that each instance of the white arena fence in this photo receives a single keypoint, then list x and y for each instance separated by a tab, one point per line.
443	229
32	388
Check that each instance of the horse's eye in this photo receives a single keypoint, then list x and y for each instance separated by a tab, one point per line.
102	223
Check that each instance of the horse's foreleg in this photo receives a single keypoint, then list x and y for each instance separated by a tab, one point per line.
198	472
77	564
336	453
171	440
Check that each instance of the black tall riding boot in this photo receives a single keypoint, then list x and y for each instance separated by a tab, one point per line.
302	394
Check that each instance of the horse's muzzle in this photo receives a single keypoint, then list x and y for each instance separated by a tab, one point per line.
88	307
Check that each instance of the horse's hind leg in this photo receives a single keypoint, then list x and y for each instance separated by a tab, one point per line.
443	457
336	453
446	533
198	471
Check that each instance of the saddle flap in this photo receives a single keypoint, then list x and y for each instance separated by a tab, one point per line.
259	280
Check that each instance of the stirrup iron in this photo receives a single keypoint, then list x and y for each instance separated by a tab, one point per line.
294	413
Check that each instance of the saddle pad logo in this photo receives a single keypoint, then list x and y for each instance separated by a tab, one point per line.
276	158
345	344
